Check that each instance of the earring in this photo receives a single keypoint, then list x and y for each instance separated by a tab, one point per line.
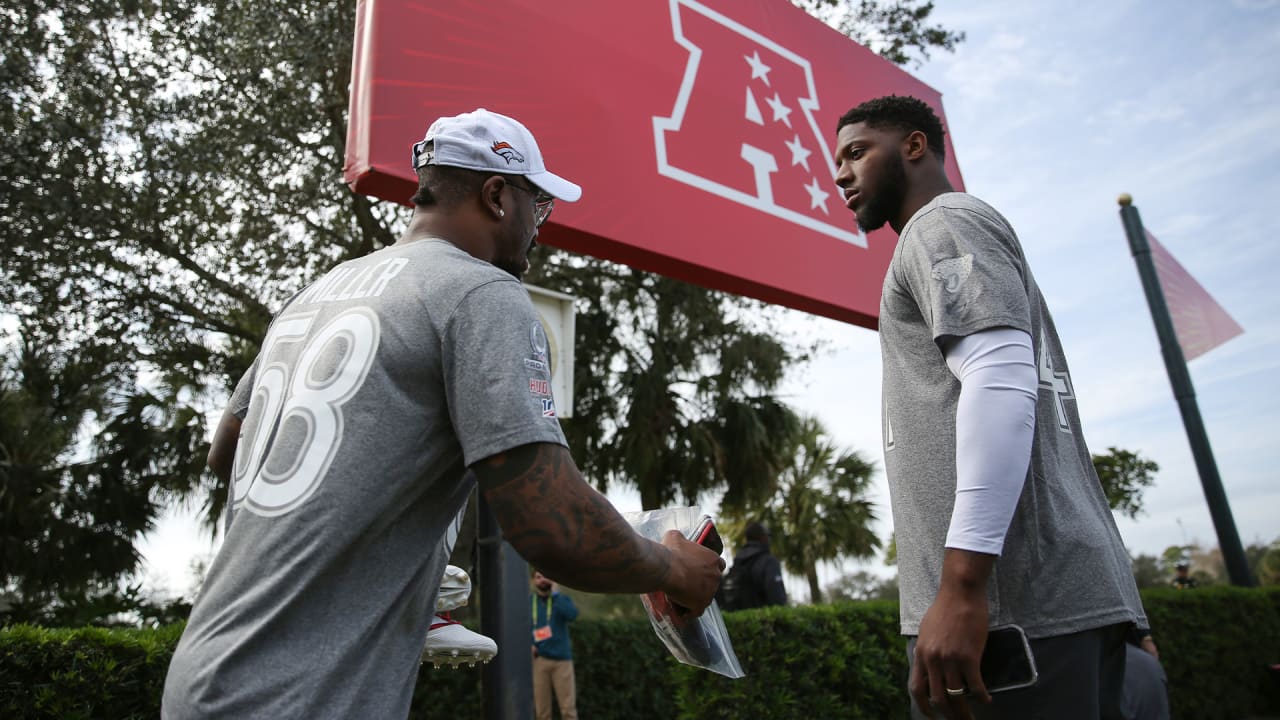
502	213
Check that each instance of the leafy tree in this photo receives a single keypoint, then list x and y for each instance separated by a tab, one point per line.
891	550
1148	571
174	166
894	29
672	388
820	512
1124	475
862	585
1207	565
1265	561
87	460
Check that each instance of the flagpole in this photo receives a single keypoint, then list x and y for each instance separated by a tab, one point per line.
1185	394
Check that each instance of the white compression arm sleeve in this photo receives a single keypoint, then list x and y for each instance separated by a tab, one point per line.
995	423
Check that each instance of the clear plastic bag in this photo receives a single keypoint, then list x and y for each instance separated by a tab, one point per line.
702	641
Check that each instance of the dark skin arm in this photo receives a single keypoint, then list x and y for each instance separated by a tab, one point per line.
952	636
571	532
222	449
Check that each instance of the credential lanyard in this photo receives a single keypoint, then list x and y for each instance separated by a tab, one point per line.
533	606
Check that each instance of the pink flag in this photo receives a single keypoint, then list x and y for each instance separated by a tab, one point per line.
1200	322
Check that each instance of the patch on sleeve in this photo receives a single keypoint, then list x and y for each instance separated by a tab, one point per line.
538	340
548	408
952	272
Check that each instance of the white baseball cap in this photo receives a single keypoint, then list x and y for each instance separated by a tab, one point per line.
489	142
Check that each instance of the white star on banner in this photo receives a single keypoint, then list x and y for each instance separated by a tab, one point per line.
758	68
780	111
799	153
818	196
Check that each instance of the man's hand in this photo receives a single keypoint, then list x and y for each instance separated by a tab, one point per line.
571	532
953	633
695	573
1150	646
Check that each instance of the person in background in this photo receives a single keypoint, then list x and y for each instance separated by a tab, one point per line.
755	580
552	650
1182	579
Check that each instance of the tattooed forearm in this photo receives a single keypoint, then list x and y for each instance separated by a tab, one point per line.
553	518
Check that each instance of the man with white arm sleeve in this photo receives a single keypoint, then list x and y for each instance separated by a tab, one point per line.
998	513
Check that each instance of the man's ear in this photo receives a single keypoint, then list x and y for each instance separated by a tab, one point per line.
915	145
491	195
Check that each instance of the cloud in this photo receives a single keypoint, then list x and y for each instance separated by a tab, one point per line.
1138	112
1255	5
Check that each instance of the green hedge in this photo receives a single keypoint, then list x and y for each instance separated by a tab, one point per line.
83	674
1215	645
843	660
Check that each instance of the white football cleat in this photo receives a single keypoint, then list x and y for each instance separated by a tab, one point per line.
449	643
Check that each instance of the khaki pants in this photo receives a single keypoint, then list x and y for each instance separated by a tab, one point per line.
554	675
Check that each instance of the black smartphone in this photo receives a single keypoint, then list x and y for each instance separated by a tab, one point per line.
1007	662
706	535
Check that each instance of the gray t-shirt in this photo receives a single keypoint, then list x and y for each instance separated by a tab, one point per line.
376	387
959	269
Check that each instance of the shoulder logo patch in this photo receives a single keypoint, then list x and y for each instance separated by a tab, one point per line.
538	341
952	272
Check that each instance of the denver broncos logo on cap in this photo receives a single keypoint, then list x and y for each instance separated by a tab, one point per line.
506	152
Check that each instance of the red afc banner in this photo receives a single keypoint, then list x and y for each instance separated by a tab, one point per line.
700	132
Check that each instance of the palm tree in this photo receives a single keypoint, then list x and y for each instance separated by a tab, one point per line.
820	511
673	385
85	468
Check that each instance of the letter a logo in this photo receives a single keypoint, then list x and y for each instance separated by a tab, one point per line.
742	126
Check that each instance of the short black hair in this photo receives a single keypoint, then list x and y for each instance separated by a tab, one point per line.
756	532
445	185
901	112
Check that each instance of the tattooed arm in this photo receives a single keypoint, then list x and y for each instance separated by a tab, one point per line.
559	523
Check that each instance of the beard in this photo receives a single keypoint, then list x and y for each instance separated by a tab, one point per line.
519	263
543	588
885	204
516	269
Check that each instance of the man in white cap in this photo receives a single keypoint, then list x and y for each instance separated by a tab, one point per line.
383	392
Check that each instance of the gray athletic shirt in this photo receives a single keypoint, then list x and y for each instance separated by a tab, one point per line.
376	387
958	268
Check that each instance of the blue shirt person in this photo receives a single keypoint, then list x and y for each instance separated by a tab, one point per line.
552	650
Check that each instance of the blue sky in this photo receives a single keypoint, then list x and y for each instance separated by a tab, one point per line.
1055	109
